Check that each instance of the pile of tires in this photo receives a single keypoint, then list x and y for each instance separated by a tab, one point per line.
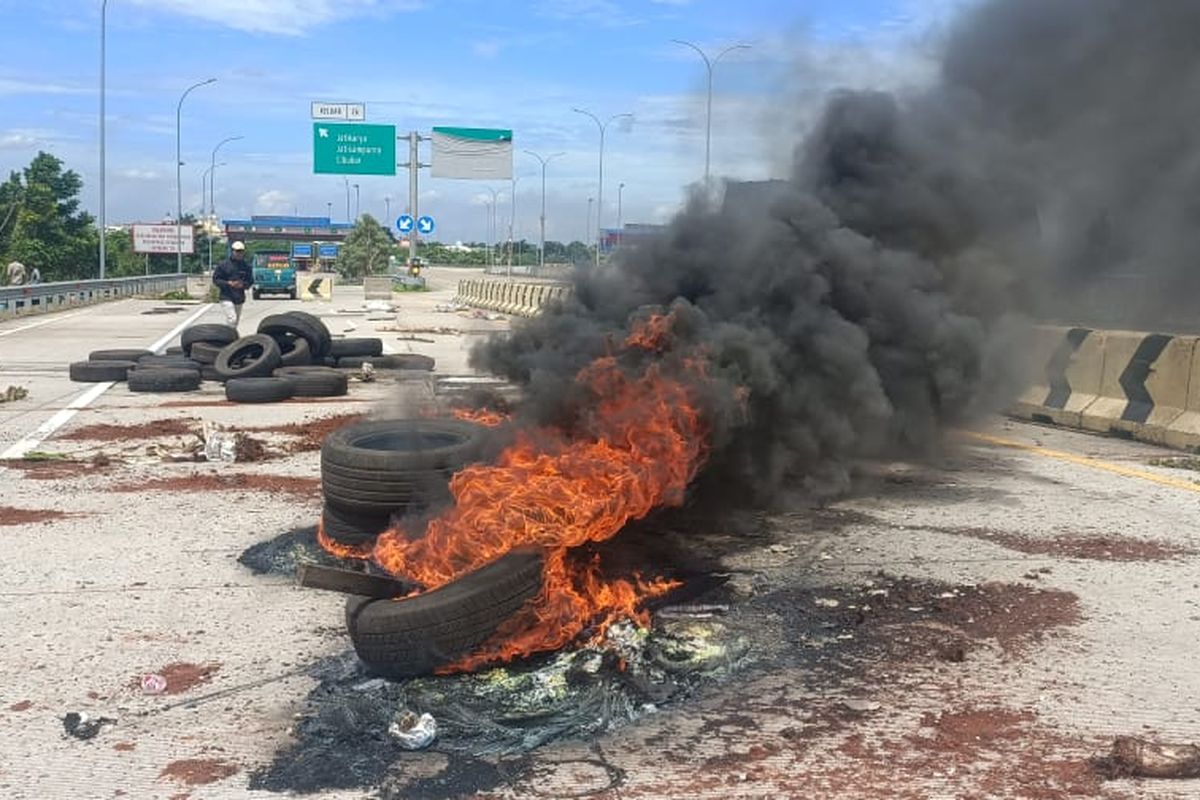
374	471
293	354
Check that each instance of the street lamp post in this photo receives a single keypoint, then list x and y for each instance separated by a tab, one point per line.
329	211
708	123
620	191
512	224
347	182
492	228
179	173
210	171
212	191
588	235
387	212
103	224
542	238
600	190
357	207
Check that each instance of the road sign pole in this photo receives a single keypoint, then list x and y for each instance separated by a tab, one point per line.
414	162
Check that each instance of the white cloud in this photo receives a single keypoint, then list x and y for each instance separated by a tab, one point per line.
24	139
14	86
487	48
274	201
286	17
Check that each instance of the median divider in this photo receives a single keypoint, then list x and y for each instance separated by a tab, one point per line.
517	298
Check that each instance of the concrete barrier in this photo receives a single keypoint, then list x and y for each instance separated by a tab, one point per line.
1075	381
518	298
1049	349
1144	385
377	288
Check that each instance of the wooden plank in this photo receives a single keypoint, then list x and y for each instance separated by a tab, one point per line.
333	579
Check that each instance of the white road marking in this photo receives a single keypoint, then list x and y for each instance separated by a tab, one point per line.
50	426
54	318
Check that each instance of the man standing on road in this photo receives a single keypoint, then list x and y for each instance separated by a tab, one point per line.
15	273
232	277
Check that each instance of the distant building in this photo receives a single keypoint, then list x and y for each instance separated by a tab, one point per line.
630	233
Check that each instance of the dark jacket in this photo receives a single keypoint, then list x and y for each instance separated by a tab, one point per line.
230	270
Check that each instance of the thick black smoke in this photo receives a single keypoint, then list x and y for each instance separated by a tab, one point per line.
861	301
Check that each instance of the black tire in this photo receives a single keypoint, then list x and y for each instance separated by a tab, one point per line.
406	638
163	379
255	356
212	333
174	350
173	362
296	354
100	371
356	530
292	294
255	294
205	353
356	347
118	355
315	381
397	361
209	373
384	467
258	390
298	324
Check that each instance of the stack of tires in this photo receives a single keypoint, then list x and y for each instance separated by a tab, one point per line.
373	471
292	355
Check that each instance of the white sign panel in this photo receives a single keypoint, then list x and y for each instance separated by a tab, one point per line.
163	239
351	112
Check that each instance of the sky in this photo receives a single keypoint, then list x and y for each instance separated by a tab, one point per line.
421	63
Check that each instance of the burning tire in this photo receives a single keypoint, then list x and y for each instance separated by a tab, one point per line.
259	390
255	356
100	371
315	381
163	379
405	638
377	468
216	334
356	347
355	530
397	361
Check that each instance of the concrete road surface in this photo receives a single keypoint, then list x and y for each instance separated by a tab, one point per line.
987	623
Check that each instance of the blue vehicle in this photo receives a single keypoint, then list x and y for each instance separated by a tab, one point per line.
274	273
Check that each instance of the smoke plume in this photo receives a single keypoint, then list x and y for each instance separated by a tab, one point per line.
856	307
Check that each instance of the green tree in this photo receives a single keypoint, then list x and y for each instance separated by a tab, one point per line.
45	227
366	249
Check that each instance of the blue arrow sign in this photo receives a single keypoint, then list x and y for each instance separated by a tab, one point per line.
425	225
405	223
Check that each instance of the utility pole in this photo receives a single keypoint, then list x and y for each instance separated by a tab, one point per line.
589	220
103	223
542	237
512	224
347	182
414	165
357	206
620	229
387	212
600	190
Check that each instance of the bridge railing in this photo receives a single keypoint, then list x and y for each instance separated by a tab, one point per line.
17	301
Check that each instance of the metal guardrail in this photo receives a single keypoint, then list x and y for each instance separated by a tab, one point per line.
40	298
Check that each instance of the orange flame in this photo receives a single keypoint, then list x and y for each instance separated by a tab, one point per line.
481	416
337	548
636	450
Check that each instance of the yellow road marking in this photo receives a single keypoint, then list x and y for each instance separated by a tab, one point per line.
1084	461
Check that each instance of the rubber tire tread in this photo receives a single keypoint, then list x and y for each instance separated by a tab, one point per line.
205	353
298	355
315	322
259	390
163	379
285	325
100	371
176	362
395	361
353	529
406	638
209	373
209	332
261	367
339	449
119	354
315	381
362	346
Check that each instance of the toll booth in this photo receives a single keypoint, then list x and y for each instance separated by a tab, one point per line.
315	256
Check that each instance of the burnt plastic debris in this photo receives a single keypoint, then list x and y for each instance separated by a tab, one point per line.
81	726
413	732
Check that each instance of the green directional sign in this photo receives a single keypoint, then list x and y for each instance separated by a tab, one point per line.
354	149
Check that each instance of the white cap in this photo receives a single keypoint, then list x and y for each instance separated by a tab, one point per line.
238	246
